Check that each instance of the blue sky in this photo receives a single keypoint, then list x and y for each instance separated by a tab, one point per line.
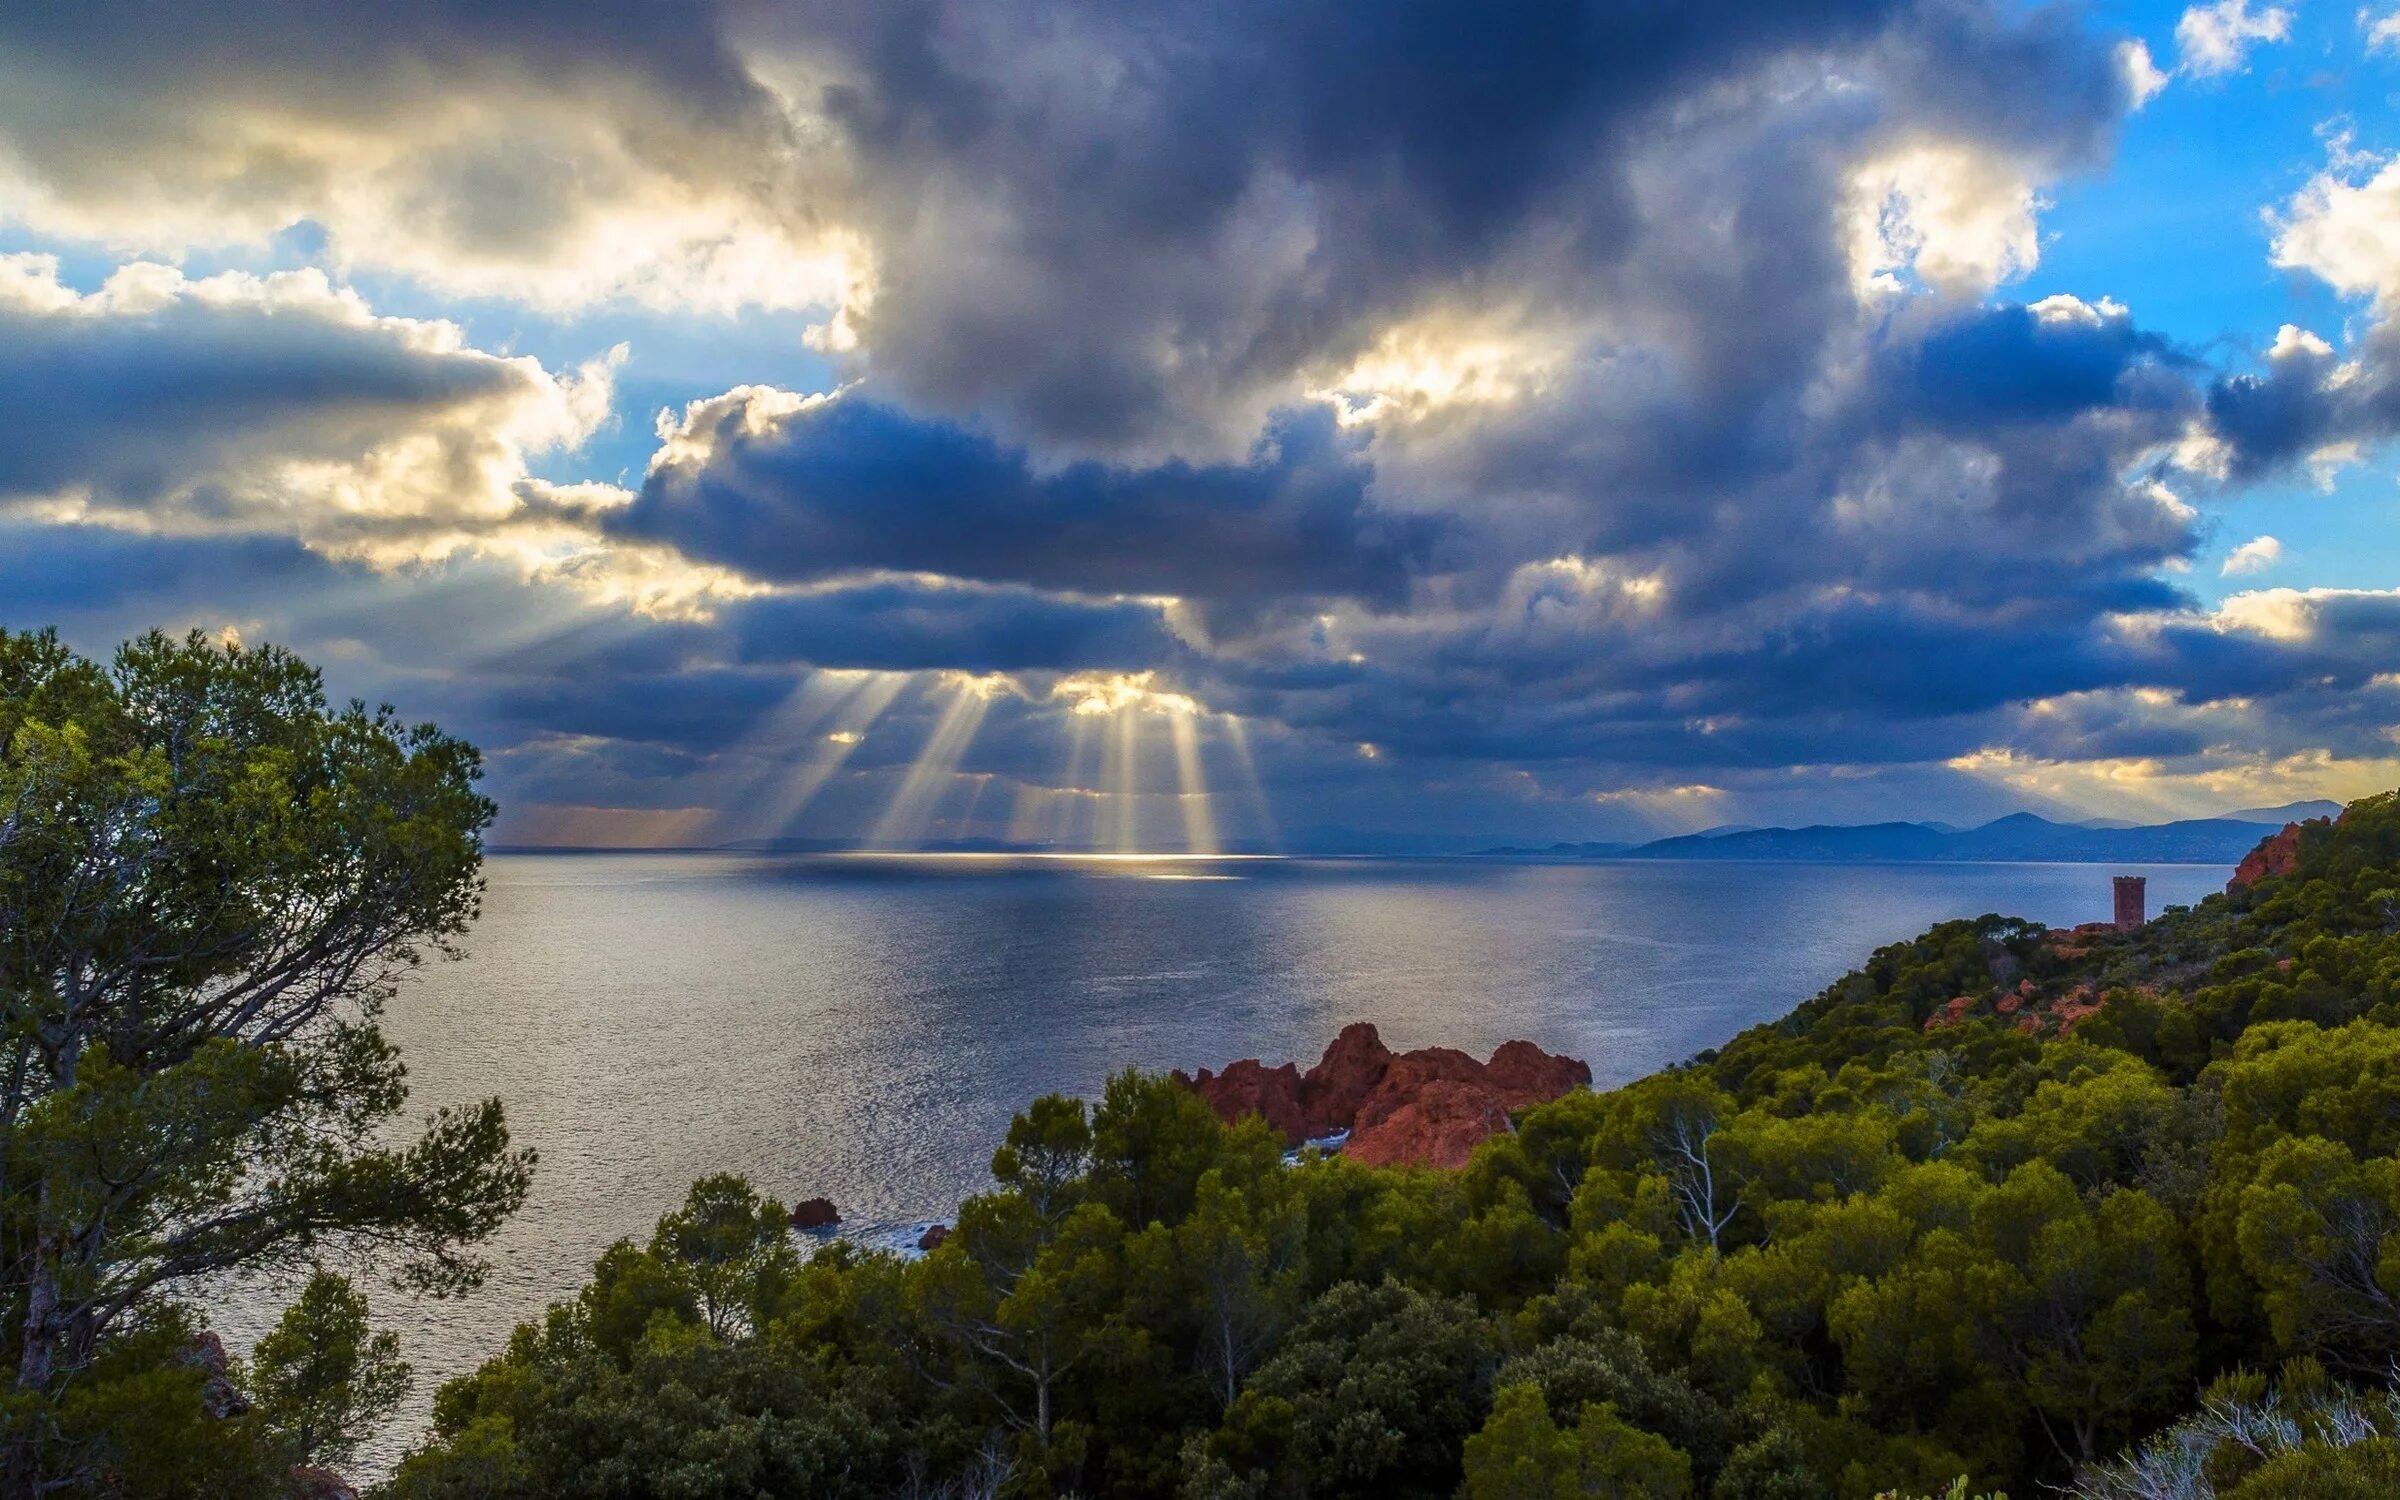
1416	424
2176	225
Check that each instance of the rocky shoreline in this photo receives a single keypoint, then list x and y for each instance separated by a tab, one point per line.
1430	1107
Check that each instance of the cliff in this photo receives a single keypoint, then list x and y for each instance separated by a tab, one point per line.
2276	854
1430	1107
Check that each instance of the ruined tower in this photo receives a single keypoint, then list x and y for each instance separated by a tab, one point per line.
2133	902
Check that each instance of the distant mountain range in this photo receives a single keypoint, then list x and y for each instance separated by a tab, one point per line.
2020	836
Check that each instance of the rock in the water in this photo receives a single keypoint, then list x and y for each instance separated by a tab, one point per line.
1430	1107
312	1483
932	1238
815	1213
219	1396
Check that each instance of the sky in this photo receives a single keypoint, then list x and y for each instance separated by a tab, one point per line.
1306	426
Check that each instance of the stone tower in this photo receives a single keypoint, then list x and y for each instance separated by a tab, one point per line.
2133	902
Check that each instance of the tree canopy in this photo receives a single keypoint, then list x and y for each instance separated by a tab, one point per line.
211	882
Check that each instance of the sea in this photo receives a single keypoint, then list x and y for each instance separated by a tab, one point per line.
861	1027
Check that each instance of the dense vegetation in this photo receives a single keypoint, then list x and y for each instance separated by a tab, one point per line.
1917	1230
209	879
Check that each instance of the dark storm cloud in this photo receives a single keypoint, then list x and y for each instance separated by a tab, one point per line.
849	484
48	573
899	625
1116	227
225	122
691	710
2009	364
183	395
2306	399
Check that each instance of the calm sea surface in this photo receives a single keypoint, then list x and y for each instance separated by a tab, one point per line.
862	1027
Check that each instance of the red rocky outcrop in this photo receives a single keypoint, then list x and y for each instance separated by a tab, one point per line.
931	1239
1339	1084
1521	1069
815	1213
2276	854
1430	1107
1950	1012
1250	1088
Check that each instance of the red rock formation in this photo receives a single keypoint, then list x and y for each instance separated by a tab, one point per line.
815	1213
1340	1082
1409	1076
1250	1088
2276	854
1950	1012
1439	1125
932	1238
2076	942
2077	1004
1522	1070
1430	1107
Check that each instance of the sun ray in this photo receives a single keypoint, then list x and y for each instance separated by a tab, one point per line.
1199	819
910	813
768	748
1029	812
858	714
1120	773
1237	738
1069	814
982	781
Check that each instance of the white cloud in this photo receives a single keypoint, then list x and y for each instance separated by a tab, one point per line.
2383	32
630	161
2294	342
2063	309
2253	556
284	405
2144	79
2346	232
2213	40
1961	219
2293	614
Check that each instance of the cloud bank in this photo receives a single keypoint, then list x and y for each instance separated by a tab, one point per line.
1558	410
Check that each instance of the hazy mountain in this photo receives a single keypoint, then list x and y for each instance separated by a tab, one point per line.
2017	837
2290	812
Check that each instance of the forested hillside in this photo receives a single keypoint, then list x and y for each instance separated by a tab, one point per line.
2116	1212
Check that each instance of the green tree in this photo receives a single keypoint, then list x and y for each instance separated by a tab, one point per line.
1521	1454
323	1377
209	883
2319	1233
1372	1394
1026	1286
1237	1264
733	1249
